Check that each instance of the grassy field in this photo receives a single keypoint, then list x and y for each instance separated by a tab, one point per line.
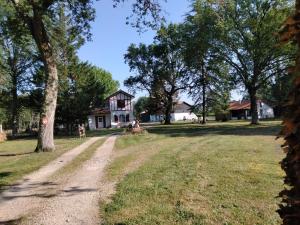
221	173
17	157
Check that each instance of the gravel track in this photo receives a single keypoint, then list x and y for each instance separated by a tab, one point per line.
77	201
29	193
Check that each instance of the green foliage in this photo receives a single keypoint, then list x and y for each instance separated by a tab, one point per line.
141	105
160	68
3	115
248	43
84	87
145	13
276	92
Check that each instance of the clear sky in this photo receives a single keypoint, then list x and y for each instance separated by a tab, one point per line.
111	36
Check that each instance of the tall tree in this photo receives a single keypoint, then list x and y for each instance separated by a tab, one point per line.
290	205
200	54
160	67
17	61
248	43
40	16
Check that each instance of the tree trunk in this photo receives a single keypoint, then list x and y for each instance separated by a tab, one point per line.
46	126
290	207
15	105
168	111
253	106
204	102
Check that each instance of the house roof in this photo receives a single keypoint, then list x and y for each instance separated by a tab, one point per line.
238	105
182	106
118	92
98	111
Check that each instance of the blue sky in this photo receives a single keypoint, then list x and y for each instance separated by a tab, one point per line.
111	36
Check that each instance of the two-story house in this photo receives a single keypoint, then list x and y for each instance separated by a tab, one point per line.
117	112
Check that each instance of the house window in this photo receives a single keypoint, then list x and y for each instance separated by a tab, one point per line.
116	118
122	118
121	104
127	117
100	119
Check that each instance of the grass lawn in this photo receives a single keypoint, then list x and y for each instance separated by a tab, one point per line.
13	167
221	173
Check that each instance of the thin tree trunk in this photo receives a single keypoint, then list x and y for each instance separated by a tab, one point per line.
204	101
203	96
253	106
46	127
15	105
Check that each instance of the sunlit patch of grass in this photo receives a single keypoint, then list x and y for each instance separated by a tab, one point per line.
226	174
13	168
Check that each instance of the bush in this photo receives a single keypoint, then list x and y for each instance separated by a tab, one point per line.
222	116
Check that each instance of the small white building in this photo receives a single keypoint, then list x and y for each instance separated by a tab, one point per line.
242	110
117	112
181	112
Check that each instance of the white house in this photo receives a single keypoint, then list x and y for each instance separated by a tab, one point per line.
117	112
242	110
181	111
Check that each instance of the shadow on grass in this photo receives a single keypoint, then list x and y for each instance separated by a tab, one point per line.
5	174
190	130
11	222
16	154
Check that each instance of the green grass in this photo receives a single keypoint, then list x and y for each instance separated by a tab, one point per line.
17	157
104	131
220	173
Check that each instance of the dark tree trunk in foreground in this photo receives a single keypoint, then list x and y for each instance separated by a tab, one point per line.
290	207
46	127
253	106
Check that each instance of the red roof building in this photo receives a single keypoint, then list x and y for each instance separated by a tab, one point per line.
242	110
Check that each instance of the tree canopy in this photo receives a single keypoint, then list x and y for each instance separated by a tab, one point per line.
160	67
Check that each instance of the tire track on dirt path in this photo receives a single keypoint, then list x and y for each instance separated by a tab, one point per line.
78	200
27	193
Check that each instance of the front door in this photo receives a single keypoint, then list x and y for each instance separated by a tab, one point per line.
100	122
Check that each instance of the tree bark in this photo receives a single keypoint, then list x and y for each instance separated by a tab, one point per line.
168	111
289	209
253	106
47	115
15	106
204	101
